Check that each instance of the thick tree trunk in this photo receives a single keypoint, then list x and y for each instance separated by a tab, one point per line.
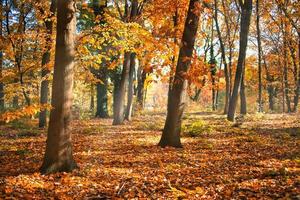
58	156
260	103
246	7
45	61
177	95
129	107
120	91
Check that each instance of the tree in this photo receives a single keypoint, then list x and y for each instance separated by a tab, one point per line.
45	61
1	64
176	97
101	73
58	156
223	54
260	105
126	76
246	7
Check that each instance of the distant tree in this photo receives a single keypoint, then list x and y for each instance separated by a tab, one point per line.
45	61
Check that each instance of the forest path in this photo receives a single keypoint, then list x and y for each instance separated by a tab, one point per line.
258	157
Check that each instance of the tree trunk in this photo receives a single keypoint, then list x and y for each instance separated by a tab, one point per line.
120	91
243	95
102	107
59	155
223	54
285	74
1	65
245	24
92	103
45	62
128	114
140	88
176	103
260	104
213	69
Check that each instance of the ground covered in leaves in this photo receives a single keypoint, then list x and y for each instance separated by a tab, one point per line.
258	157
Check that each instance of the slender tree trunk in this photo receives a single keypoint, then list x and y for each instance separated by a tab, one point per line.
296	100
246	7
176	103
92	103
129	107
45	61
1	63
140	88
223	54
213	69
58	156
120	91
285	75
260	105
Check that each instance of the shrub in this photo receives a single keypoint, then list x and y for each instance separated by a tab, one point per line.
196	129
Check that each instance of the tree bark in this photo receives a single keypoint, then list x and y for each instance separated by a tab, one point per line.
129	107
102	107
246	7
59	155
45	61
176	102
120	91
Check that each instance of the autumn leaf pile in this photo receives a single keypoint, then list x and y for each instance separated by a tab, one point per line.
258	158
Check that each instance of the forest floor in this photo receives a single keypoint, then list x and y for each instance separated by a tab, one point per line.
258	158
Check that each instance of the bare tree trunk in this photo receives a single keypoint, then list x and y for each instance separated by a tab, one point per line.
176	103
45	61
129	107
59	155
246	7
260	104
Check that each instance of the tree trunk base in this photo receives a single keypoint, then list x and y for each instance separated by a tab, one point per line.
58	166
